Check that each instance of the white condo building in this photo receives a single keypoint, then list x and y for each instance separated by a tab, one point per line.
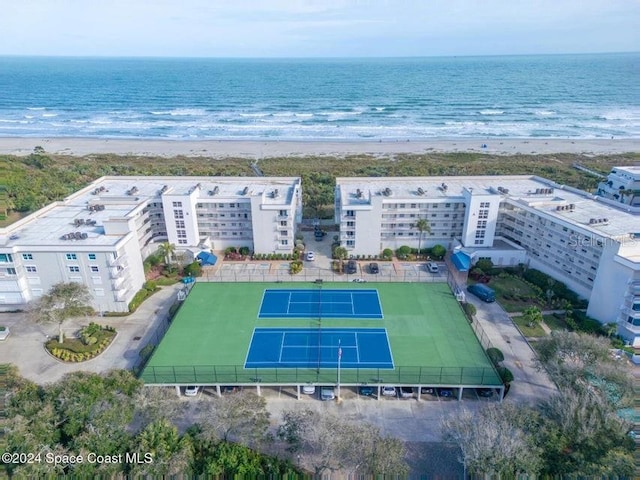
101	234
590	243
622	185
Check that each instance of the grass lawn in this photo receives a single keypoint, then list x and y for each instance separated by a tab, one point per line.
431	340
508	293
535	331
555	323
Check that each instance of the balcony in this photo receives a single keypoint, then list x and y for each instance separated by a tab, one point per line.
120	261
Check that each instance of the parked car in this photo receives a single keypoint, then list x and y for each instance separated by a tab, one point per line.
359	280
191	391
484	392
352	267
482	292
367	391
433	267
445	392
308	389
405	392
389	391
374	268
230	389
327	393
428	390
310	256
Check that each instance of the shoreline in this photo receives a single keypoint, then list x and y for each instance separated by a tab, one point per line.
257	149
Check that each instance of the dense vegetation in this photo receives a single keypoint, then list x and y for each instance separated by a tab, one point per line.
31	182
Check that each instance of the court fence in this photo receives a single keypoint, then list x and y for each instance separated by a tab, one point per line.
311	274
238	375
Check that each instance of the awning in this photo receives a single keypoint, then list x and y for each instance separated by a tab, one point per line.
207	258
461	261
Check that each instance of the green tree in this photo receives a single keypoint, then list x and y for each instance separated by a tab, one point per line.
167	250
170	454
63	302
438	251
194	269
484	264
403	252
533	316
422	225
340	253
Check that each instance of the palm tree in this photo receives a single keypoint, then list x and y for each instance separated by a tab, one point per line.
167	250
533	316
423	226
341	254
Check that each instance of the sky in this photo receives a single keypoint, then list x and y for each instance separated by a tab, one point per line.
317	28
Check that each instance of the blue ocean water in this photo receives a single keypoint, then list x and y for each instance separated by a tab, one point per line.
577	96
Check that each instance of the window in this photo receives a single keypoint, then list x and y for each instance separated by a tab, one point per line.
283	223
350	243
11	271
94	268
31	269
92	256
180	224
182	241
485	204
178	214
350	213
282	213
447	205
351	224
6	258
182	233
283	233
71	256
232	205
74	268
414	205
27	256
402	205
284	242
478	242
177	204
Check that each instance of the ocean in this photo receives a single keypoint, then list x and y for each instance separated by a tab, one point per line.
545	96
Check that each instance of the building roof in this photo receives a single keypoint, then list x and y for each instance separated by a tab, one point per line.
588	211
118	197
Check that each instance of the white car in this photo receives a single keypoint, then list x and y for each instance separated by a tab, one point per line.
311	256
433	267
389	391
327	393
359	280
308	389
191	391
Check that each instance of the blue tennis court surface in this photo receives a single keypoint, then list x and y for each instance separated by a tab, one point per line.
318	348
320	303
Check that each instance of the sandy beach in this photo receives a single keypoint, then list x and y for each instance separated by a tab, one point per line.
273	148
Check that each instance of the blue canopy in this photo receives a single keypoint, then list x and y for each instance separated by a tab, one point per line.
207	258
461	260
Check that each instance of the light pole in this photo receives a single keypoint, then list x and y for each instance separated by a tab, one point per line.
339	360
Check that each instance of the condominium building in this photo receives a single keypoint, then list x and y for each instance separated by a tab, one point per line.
622	185
101	234
590	243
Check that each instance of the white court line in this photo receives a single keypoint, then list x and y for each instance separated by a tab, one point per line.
353	312
281	347
355	334
289	303
246	358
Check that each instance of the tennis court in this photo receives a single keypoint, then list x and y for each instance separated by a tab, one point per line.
218	337
319	348
325	303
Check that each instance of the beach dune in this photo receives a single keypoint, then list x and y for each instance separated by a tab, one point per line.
273	148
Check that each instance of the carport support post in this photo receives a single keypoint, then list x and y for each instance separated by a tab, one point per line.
298	387
178	390
258	390
460	390
218	392
378	397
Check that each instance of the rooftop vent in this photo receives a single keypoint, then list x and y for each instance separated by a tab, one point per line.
98	190
543	191
275	193
503	190
245	190
164	189
358	193
95	208
78	221
598	221
90	222
387	192
215	191
132	191
444	187
420	191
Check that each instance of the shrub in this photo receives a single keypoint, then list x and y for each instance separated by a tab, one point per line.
438	251
505	375
229	250
387	254
469	309
295	267
194	269
484	264
495	355
403	252
244	251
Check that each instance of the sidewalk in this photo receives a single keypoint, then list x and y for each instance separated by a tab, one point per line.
25	347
